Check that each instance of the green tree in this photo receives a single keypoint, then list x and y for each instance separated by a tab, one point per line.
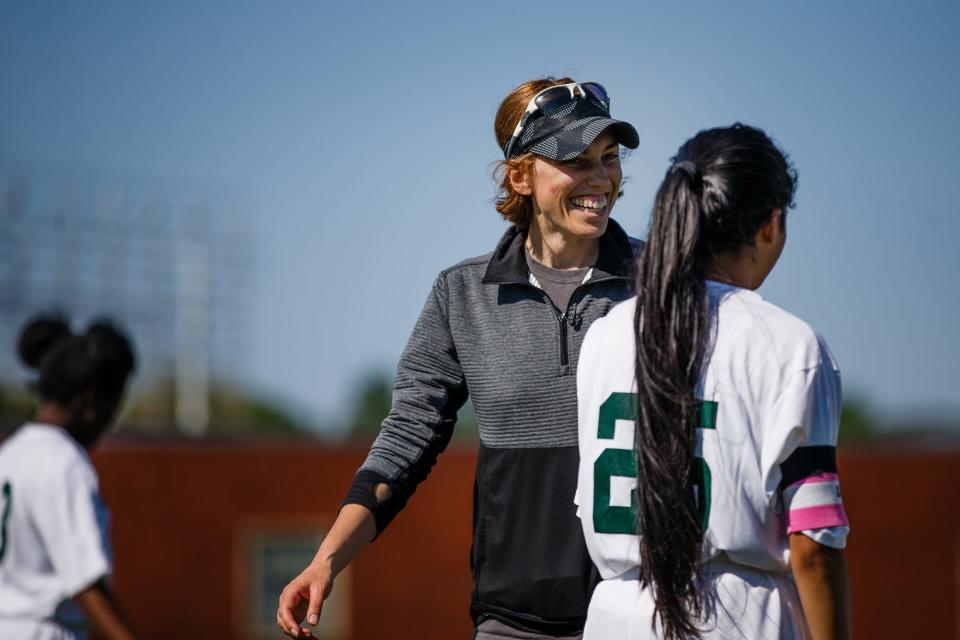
234	412
16	407
370	404
858	425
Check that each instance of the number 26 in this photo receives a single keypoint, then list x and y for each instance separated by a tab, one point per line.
623	463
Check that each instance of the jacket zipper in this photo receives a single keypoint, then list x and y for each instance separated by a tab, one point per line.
562	317
564	350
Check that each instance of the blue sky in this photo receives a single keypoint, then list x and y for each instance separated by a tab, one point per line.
360	135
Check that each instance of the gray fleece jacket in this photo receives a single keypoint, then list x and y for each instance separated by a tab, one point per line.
487	331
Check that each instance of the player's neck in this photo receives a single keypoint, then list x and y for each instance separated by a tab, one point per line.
51	413
740	270
556	250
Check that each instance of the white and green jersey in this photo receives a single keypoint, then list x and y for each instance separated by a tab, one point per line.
53	533
765	457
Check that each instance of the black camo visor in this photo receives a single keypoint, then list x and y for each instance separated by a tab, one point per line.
564	132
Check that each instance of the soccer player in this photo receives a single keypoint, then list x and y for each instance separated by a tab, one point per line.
708	420
54	544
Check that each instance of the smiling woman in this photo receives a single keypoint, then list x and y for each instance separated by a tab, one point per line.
571	202
505	329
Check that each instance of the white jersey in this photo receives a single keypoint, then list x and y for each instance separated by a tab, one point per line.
53	533
765	457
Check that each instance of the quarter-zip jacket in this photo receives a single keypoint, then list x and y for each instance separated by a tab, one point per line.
487	331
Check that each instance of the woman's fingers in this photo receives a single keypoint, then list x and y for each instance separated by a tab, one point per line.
301	601
290	599
316	603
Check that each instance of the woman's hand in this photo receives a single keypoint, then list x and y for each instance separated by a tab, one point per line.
302	599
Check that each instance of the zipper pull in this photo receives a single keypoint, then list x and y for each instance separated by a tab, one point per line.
576	320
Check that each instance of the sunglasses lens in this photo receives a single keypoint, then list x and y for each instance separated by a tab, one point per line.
552	97
598	92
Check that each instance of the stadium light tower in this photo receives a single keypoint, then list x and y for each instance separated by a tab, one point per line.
192	411
168	258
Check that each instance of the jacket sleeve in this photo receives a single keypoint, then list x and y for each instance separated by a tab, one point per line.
428	391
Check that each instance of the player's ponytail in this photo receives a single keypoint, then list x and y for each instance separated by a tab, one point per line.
670	331
100	359
39	336
723	185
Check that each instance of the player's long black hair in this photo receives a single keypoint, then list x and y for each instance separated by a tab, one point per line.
723	185
97	361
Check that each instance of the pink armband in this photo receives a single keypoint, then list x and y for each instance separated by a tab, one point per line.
814	503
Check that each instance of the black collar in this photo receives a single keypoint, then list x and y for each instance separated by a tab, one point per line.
509	265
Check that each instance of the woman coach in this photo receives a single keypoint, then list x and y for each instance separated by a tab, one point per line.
505	328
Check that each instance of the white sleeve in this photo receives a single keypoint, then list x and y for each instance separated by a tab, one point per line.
806	412
73	525
803	467
835	537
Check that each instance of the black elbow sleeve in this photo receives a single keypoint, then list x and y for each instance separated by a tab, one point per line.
363	491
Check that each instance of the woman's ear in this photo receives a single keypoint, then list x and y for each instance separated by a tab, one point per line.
520	179
770	231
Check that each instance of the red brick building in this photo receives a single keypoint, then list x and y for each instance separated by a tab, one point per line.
205	536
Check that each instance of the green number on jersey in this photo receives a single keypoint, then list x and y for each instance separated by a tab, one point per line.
7	499
614	462
623	463
700	476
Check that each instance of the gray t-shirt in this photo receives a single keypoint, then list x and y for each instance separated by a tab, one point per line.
558	284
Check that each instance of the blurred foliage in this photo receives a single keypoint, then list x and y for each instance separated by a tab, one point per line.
16	407
858	424
233	413
861	426
371	404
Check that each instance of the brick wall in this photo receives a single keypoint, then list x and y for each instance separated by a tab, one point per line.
193	522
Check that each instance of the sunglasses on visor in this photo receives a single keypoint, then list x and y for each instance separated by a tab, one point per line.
555	96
